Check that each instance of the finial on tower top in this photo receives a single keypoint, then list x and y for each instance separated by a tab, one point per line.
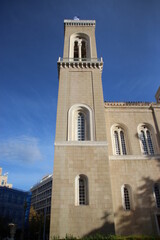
76	18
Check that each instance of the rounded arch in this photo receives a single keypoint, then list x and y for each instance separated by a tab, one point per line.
73	118
147	139
120	140
80	46
81	190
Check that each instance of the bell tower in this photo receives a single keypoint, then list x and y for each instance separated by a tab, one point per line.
81	195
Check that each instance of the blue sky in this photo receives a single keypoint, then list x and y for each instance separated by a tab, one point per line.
31	40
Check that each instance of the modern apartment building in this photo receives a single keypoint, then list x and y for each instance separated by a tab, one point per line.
41	195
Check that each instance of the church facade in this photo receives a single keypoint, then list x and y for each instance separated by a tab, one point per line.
107	155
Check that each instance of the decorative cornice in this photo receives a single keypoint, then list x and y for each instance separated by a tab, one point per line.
81	143
92	63
131	104
88	23
134	157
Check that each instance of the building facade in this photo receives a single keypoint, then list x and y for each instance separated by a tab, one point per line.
41	195
4	179
14	206
107	155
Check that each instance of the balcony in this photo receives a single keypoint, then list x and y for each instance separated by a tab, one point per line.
80	63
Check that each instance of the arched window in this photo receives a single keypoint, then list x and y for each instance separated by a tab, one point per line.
81	190
146	140
83	51
119	143
157	194
76	51
79	47
126	197
80	123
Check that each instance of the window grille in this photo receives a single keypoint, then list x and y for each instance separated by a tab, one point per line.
123	143
126	199
117	148
119	141
157	194
150	146
146	141
81	127
82	192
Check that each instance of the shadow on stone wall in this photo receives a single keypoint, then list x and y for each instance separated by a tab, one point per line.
106	229
142	218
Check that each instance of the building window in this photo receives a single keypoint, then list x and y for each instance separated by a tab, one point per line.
158	223
83	51
119	143
79	47
157	194
76	51
81	188
146	142
80	123
126	197
80	126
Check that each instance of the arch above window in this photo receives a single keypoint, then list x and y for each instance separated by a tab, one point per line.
146	139
118	140
80	123
81	190
80	49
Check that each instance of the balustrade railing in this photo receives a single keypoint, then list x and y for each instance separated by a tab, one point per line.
87	60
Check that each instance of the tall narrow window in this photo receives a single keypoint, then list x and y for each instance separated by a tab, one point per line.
149	140
144	143
117	148
126	197
119	141
80	127
123	143
158	222
84	52
146	140
81	190
76	51
157	194
80	123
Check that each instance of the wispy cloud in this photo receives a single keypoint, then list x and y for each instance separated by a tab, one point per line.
21	149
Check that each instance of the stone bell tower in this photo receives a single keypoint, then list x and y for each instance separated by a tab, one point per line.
81	195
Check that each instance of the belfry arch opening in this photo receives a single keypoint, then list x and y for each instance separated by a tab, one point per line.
80	49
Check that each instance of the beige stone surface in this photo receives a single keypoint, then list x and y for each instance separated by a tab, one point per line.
106	172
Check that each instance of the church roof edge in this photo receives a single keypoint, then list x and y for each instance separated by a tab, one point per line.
148	104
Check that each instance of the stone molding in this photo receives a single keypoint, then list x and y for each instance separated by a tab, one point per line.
88	64
88	23
134	157
81	143
131	104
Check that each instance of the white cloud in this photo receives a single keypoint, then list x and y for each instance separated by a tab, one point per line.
22	149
